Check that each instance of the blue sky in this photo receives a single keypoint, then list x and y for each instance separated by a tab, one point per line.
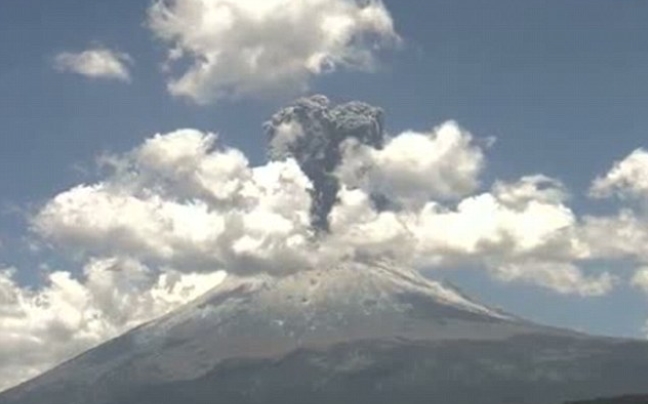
561	85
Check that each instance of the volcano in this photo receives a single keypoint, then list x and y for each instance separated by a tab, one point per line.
357	332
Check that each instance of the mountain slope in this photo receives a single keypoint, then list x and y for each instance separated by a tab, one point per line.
354	333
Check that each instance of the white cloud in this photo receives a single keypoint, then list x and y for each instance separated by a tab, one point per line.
628	178
179	200
483	226
564	278
640	279
358	230
519	232
620	236
623	235
96	63
102	219
182	200
42	327
414	167
240	48
531	188
184	164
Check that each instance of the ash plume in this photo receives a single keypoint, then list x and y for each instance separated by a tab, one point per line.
312	131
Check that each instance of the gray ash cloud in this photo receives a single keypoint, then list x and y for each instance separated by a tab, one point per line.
312	131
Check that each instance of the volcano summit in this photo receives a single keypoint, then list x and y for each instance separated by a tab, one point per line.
354	333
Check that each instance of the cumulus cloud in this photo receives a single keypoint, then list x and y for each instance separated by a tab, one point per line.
414	167
359	231
42	327
628	178
99	63
180	200
483	225
538	188
520	232
623	235
242	48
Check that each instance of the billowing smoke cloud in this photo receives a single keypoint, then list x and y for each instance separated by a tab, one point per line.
312	131
171	214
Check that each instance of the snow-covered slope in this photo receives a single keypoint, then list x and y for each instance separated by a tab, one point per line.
377	308
265	316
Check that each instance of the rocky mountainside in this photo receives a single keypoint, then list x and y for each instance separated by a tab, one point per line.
355	333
